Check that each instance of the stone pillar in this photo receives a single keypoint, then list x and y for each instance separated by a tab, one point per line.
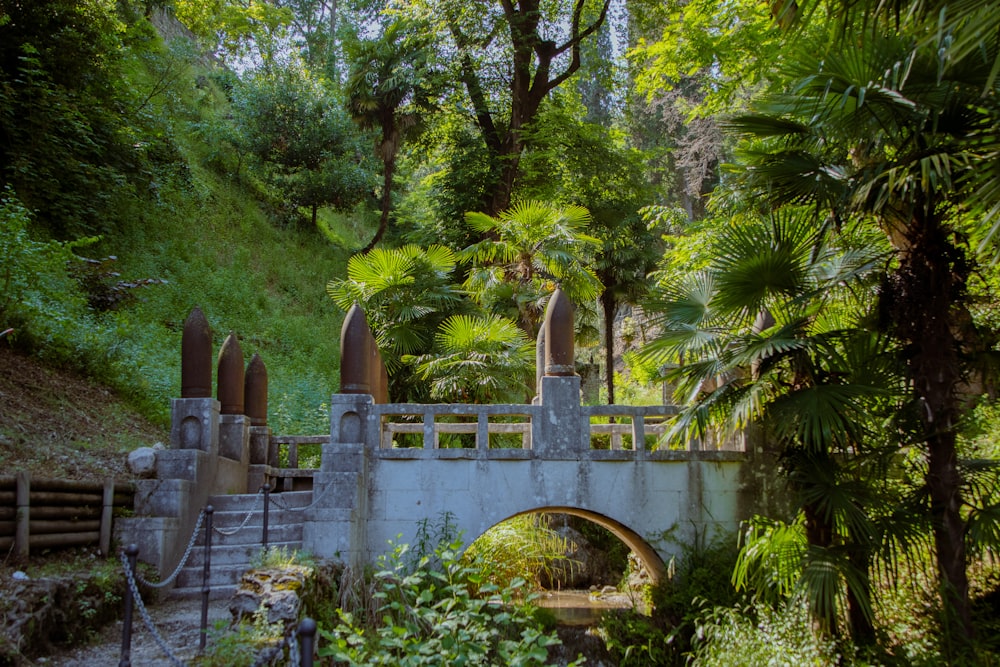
559	334
196	356
234	427
194	424
337	521
255	394
558	430
194	417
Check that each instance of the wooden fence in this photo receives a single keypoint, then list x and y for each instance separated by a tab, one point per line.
50	513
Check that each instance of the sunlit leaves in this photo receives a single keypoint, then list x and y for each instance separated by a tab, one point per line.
478	360
531	248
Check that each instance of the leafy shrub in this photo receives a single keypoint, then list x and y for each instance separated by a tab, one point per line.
701	581
522	546
440	615
240	646
734	637
37	296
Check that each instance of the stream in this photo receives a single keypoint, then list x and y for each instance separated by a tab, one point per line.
580	607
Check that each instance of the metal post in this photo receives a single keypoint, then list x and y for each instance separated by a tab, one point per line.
267	508
307	637
205	589
132	553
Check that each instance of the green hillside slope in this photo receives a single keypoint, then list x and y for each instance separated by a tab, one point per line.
178	221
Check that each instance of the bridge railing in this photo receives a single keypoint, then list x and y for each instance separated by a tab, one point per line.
429	422
648	425
645	424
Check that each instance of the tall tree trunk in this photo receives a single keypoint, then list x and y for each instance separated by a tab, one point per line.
610	306
862	630
383	223
928	287
819	533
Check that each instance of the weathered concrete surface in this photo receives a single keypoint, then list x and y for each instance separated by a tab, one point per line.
654	506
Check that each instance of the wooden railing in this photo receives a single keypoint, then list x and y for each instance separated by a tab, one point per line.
49	513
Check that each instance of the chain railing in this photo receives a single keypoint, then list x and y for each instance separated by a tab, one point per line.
133	599
246	519
187	554
129	557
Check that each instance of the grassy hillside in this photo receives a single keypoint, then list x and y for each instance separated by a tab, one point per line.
195	222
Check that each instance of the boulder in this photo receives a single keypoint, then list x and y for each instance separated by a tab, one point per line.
142	462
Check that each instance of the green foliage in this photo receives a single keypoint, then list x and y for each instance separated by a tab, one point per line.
735	637
770	560
302	138
66	150
477	360
537	247
522	547
33	274
665	637
239	646
406	293
729	53
390	88
440	612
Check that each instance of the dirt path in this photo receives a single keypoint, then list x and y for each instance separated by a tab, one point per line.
177	621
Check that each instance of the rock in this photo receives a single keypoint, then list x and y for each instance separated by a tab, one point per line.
581	566
275	591
159	446
20	576
142	462
638	576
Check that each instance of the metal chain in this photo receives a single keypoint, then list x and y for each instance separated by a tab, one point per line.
293	648
129	576
187	554
246	519
282	506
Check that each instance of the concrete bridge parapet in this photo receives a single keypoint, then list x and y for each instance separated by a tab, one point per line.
386	467
372	491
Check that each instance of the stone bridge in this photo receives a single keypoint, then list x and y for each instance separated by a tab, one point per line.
388	467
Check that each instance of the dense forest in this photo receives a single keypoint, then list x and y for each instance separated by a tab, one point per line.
786	212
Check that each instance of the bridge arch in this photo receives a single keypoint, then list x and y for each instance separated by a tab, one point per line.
646	554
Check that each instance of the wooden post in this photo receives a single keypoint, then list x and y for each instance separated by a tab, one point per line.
107	513
22	533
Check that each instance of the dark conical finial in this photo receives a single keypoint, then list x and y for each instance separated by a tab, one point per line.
355	353
230	376
196	356
255	391
383	383
539	357
559	354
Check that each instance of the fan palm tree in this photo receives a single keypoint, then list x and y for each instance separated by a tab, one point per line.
406	293
529	249
905	138
388	89
770	333
477	360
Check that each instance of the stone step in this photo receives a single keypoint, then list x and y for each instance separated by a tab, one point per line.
240	554
275	516
228	565
282	532
245	501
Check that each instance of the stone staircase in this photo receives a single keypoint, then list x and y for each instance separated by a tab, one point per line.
232	549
